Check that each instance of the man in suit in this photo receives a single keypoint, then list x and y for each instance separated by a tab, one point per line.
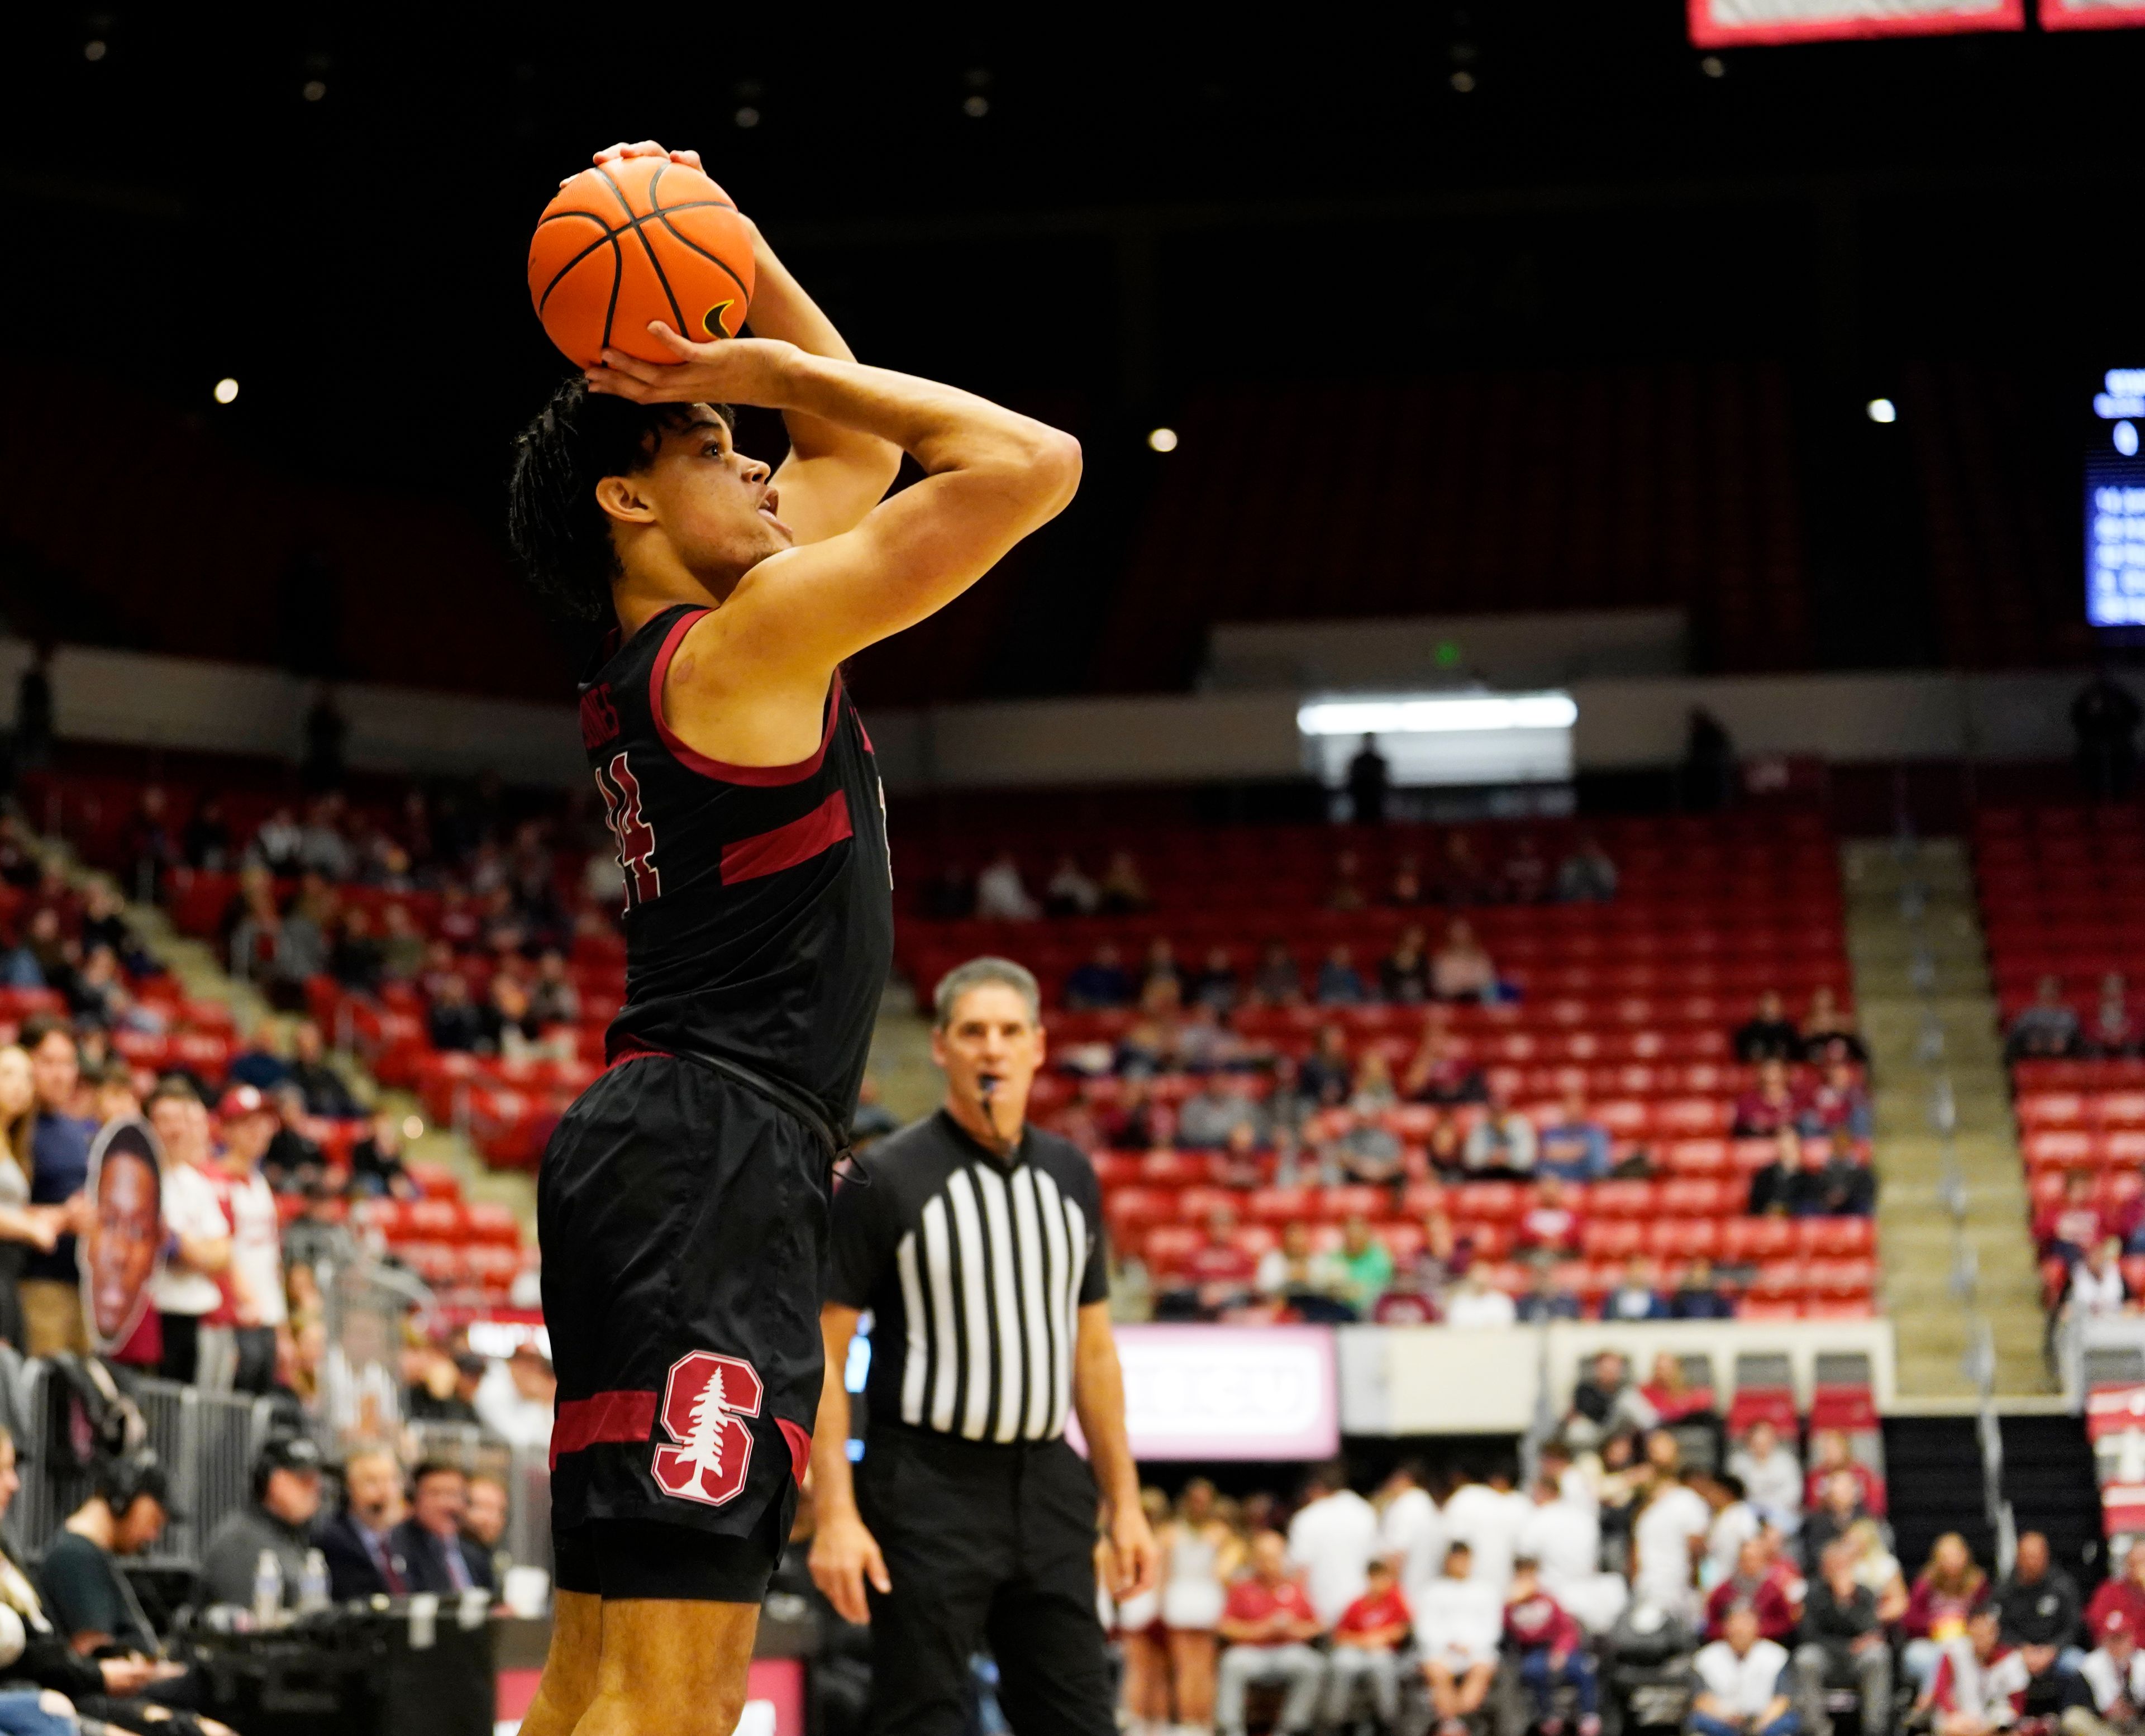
364	1559
431	1540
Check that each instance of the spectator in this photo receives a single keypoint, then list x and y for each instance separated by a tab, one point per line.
445	1388
2113	1033
2108	1698
1403	972
1770	1035
553	999
1369	777
2097	1285
1551	1647
1486	1513
1410	1535
1440	1072
454	1023
1830	1452
1586	875
376	1168
1330	1541
1839	1103
257	1309
1771	1476
1374	1093
1878	1568
2048	1030
2105	716
1124	891
1550	1225
1346	891
1672	1393
358	959
1459	877
324	1090
2124	1593
1574	1146
1207	1119
205	843
1771	1103
286	1500
302	948
517	1397
1460	970
1666	1535
1219	1274
1501	1146
1547	1297
1327	1076
83	1587
2038	1607
1835	1512
187	1289
2078	1224
1366	1263
1000	896
485	1515
1367	1643
1278	982
1604	1403
1562	1534
1457	1630
1950	1589
1070	893
1635	1297
1751	1584
430	1540
1404	891
1472	1302
1269	1625
1773	1188
358	1542
1099	985
1843	1644
22	1227
59	1170
1831	1182
1340	984
1161	978
1358	1149
1445	1147
1313	1283
1828	1034
1526	872
1215	987
1980	1683
1699	1294
1741	1683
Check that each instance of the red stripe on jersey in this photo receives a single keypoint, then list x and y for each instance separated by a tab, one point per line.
692	759
610	1416
786	845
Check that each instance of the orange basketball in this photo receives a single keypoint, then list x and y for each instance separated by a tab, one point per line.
637	240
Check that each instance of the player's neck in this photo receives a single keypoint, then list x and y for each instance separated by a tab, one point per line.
654	581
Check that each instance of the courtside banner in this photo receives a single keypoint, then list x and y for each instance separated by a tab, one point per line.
2092	14
1727	23
1229	1392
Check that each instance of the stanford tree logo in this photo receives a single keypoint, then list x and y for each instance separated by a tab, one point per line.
706	1403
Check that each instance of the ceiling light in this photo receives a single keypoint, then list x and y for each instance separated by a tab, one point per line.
1443	714
1881	410
1162	439
227	390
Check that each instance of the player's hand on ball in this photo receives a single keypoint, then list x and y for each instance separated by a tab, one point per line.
643	147
736	371
1135	1556
845	1554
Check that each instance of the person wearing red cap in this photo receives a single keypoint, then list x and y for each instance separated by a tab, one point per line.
2126	1593
2107	1697
258	1310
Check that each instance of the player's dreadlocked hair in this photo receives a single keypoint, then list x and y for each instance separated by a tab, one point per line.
559	534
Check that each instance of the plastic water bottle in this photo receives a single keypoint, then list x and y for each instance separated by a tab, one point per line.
313	1585
267	1589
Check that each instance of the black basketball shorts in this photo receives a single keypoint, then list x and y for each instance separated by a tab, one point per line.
683	1218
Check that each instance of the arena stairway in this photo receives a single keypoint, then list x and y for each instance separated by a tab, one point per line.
1952	1212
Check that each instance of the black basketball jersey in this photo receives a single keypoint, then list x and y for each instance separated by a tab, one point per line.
758	902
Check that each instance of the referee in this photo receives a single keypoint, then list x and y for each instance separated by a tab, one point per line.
977	1243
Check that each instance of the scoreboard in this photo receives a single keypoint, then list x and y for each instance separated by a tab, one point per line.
2115	503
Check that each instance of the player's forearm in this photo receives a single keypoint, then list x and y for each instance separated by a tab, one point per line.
1098	1397
941	427
834	1486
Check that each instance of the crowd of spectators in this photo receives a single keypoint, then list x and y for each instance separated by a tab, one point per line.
1767	1581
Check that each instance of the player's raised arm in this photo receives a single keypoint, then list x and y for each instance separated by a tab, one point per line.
833	474
991	477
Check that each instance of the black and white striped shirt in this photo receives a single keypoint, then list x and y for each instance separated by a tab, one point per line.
975	1268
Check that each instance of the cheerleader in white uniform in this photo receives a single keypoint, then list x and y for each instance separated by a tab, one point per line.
1200	1553
1138	1623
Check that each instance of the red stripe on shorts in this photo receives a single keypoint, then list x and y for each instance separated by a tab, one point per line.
786	845
800	1447
609	1416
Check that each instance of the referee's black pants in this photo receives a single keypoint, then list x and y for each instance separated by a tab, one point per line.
987	1546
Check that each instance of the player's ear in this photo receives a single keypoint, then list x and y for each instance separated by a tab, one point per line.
620	498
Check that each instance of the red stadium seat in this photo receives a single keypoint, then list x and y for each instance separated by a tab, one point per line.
1612	1238
1836	1237
1621	1199
1280	1204
1699	1196
1747	1240
1683	1238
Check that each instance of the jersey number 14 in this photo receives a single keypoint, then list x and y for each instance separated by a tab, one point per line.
620	791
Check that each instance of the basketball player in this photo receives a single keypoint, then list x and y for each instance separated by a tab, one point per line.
682	1203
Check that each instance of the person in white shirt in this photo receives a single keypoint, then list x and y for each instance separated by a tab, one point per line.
1470	1302
1071	893
1457	1627
1487	1516
185	1290
1563	1540
256	1273
1735	1522
1772	1477
2097	1285
2113	1674
1411	1531
1665	1540
1742	1690
517	1397
1331	1540
1000	897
